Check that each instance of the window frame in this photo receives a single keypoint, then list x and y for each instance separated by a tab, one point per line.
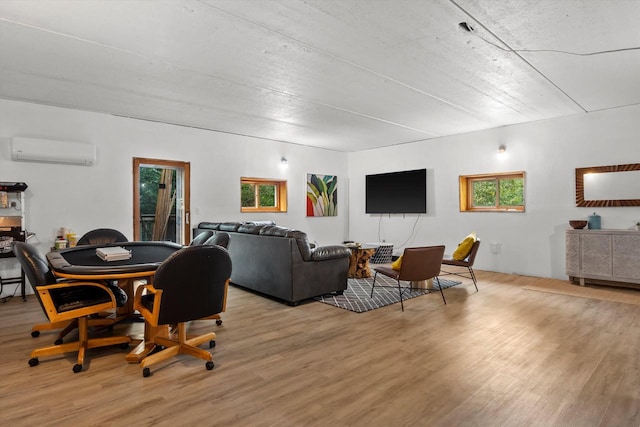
281	194
466	192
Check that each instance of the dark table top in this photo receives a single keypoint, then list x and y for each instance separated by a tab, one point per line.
82	261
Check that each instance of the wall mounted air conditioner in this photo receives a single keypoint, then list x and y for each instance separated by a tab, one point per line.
52	151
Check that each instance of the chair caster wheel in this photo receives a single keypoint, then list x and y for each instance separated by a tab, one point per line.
35	334
209	365
146	372
58	341
124	345
218	322
77	368
34	361
212	343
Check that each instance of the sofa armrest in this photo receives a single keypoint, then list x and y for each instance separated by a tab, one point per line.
323	253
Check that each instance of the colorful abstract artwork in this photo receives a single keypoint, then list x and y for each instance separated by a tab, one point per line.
322	195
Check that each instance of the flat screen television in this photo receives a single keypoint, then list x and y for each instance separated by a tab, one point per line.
397	192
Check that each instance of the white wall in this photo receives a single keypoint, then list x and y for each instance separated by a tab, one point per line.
532	243
84	198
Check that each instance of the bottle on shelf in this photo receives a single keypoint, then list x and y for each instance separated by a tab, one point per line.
60	243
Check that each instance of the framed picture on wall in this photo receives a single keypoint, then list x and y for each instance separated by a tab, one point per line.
322	195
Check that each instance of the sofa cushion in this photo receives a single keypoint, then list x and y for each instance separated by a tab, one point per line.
274	230
209	225
303	243
261	222
229	226
250	228
330	252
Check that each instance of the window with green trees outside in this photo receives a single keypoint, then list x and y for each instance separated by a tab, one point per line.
501	192
263	195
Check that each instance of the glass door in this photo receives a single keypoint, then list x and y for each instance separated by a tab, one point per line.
161	200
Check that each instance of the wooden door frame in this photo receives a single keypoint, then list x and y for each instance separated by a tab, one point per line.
186	166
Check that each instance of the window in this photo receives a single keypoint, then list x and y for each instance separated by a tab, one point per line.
263	195
498	192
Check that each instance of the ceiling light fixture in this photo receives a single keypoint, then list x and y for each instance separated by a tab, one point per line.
284	162
502	148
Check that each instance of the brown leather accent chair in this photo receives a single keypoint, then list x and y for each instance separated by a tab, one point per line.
66	302
465	263
418	264
189	285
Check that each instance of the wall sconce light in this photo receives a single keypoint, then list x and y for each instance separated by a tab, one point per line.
283	162
502	148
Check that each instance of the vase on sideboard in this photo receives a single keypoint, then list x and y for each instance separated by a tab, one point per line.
594	222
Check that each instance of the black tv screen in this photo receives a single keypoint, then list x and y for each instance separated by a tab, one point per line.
397	192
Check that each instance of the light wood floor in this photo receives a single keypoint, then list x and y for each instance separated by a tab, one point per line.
502	357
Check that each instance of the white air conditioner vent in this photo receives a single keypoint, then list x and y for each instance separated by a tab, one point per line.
52	151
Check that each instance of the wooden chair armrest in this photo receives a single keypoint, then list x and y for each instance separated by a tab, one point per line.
226	289
150	316
144	287
72	283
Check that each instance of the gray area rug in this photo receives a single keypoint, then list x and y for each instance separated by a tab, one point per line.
357	296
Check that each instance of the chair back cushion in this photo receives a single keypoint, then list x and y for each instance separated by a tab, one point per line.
102	236
35	268
421	263
193	282
220	239
201	238
33	264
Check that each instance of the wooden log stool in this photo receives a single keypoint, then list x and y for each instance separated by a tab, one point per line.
359	262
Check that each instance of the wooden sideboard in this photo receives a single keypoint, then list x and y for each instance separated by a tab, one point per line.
603	256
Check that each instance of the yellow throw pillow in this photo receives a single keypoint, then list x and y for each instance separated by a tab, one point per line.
464	247
397	263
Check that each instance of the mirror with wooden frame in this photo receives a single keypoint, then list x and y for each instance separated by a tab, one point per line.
608	186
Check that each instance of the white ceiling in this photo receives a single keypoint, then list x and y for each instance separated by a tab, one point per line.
345	75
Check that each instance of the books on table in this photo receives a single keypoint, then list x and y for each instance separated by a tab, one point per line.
114	253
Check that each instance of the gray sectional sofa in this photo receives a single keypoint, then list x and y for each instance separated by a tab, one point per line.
280	262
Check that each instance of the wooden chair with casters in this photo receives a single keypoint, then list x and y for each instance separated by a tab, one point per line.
94	237
418	264
465	263
189	285
67	301
106	236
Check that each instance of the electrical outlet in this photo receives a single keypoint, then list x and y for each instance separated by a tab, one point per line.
494	247
13	204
